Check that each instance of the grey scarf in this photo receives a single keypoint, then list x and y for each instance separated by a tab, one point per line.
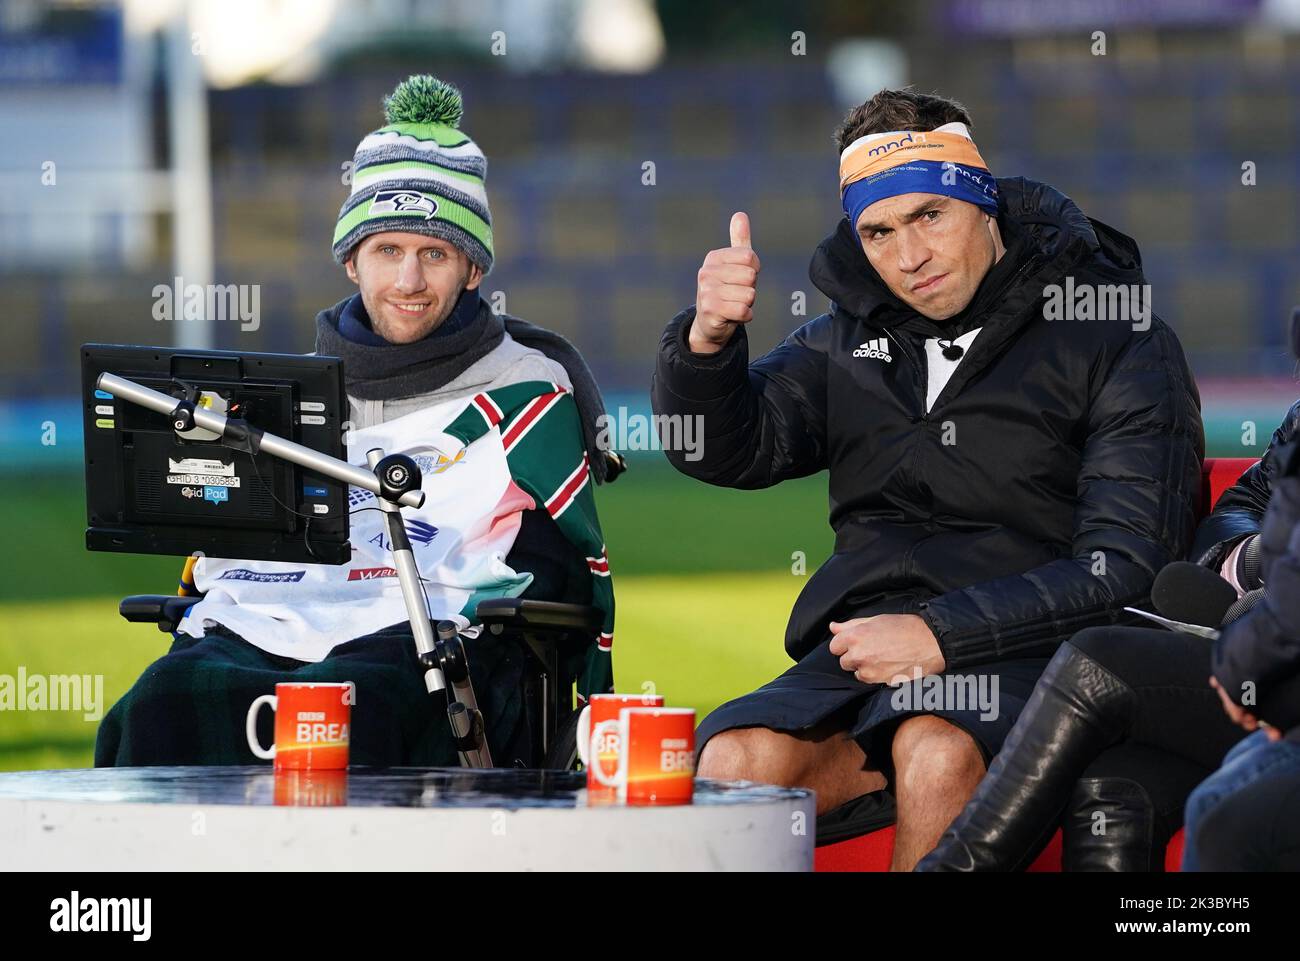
391	371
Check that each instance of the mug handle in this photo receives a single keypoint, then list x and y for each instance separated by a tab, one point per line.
584	735
598	770
250	727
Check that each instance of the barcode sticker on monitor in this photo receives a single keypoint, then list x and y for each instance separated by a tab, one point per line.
200	465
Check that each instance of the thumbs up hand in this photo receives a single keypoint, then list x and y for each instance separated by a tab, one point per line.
725	290
740	230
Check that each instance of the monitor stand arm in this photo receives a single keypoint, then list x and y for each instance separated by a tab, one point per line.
441	652
395	480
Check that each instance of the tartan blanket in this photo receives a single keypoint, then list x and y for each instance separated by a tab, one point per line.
189	706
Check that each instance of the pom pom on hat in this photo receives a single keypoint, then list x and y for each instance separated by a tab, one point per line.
424	98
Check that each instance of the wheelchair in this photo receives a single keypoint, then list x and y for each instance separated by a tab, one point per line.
553	634
554	630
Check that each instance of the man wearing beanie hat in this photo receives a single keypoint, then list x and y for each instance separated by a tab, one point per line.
415	235
1000	476
419	174
502	418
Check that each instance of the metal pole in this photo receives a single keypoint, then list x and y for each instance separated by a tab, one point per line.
187	126
408	576
278	446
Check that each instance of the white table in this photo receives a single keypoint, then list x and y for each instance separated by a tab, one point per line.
247	818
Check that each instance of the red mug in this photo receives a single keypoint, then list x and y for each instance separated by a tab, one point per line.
312	726
600	708
656	757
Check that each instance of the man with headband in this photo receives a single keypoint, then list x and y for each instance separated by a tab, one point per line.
1000	477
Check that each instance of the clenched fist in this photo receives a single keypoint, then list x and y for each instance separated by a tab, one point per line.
724	292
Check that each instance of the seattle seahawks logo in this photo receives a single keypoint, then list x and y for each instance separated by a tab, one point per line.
401	201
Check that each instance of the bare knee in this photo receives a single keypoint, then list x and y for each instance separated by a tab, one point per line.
749	754
934	755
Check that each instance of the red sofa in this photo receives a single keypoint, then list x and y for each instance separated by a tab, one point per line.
873	851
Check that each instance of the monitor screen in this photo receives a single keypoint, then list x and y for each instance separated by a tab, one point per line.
150	490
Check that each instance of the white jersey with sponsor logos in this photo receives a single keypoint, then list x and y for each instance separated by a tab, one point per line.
460	538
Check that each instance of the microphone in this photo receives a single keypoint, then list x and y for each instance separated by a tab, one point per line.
1196	595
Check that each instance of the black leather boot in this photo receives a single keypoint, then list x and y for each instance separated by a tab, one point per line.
1078	708
1110	826
1126	806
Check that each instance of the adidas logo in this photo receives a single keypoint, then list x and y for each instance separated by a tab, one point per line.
877	349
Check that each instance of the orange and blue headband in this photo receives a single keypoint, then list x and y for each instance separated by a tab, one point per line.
941	161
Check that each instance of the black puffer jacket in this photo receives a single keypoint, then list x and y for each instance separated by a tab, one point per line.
1069	477
1239	512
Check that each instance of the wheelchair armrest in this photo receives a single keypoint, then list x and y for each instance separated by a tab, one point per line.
165	610
499	613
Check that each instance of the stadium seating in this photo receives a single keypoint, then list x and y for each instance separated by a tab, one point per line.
872	850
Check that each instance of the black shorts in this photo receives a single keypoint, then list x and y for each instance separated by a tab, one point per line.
983	699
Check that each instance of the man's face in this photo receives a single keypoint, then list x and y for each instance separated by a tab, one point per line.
931	251
409	282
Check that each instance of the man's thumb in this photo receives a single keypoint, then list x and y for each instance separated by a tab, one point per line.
740	230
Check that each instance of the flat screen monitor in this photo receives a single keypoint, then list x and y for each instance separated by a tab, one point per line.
150	490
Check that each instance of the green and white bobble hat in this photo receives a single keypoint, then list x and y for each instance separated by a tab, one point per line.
419	174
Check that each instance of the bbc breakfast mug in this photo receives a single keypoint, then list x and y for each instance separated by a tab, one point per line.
656	755
605	707
311	726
